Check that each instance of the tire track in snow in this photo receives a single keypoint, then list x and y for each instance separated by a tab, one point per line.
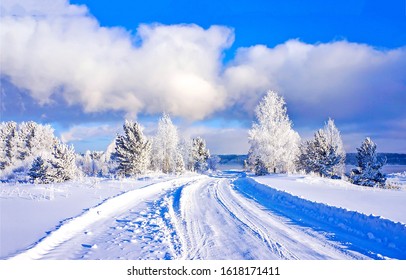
216	222
196	217
101	214
237	211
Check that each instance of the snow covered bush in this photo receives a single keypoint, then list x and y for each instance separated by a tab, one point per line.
324	154
133	150
368	173
274	145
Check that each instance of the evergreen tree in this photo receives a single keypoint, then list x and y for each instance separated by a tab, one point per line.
36	138
274	145
133	150
180	165
63	163
336	147
8	144
324	154
368	173
200	155
60	166
40	172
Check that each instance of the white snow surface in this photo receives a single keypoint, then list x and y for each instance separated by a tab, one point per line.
385	203
223	216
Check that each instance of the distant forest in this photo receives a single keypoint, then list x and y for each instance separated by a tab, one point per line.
391	158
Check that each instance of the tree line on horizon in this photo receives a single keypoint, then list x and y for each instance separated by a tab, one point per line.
31	150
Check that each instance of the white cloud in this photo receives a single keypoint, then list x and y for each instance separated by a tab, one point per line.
173	68
339	75
40	8
89	132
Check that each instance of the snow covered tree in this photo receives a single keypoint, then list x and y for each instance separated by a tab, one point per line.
40	172
274	145
8	144
63	163
21	143
180	165
324	154
35	139
57	167
200	154
368	173
165	147
335	143
133	150
318	156
185	149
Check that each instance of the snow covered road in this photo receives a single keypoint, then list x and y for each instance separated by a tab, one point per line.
227	216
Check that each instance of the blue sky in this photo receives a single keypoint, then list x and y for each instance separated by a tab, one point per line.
85	66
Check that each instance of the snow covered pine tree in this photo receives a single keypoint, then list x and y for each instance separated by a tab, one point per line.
200	155
324	154
63	163
274	145
8	144
39	172
369	171
57	167
133	150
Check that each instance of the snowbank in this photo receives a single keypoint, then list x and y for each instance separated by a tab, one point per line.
388	204
30	212
363	217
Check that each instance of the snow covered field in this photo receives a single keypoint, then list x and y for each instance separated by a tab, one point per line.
224	216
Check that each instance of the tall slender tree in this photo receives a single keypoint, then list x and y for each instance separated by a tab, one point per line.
166	146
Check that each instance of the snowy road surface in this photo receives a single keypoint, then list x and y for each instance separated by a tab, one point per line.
228	216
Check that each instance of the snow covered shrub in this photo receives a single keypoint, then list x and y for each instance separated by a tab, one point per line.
368	173
260	168
324	154
133	150
274	145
